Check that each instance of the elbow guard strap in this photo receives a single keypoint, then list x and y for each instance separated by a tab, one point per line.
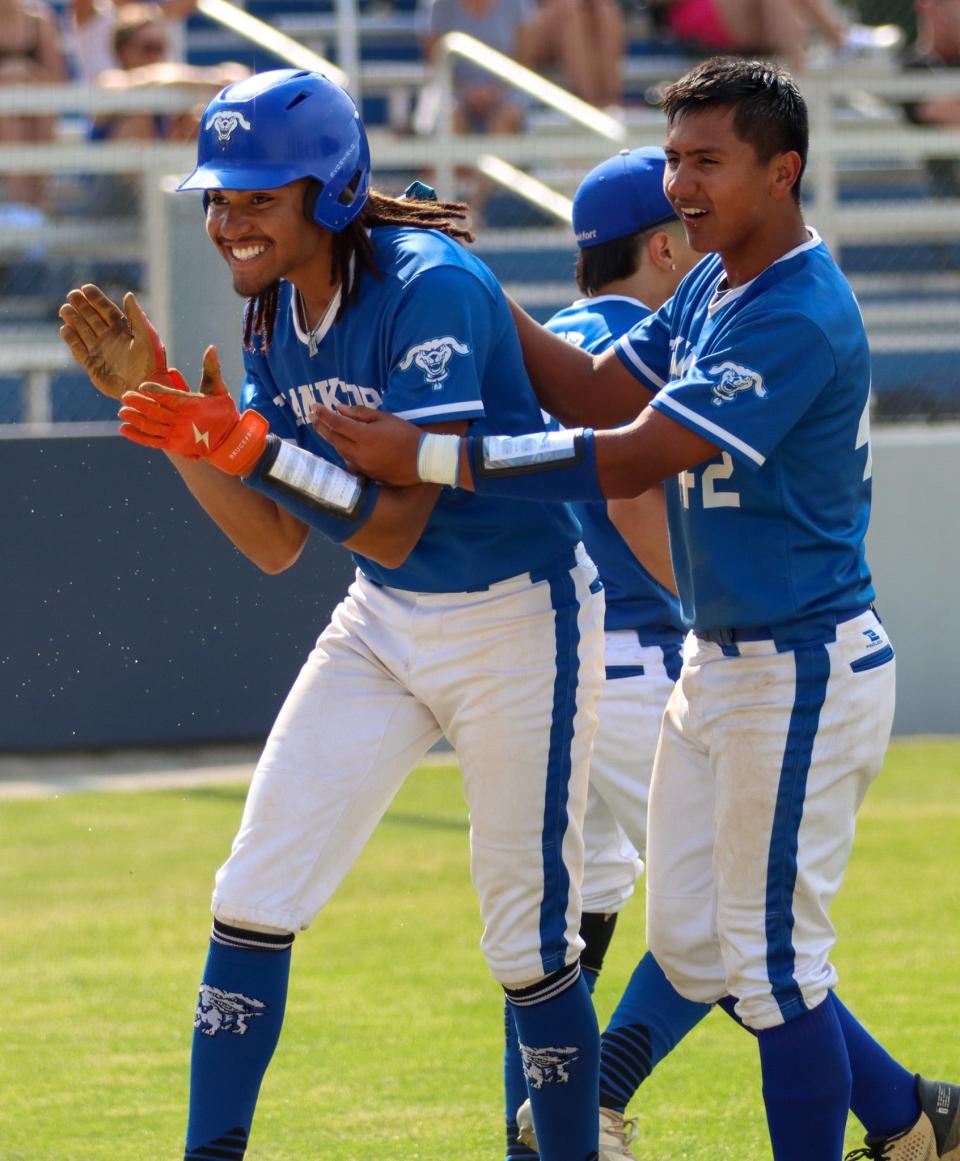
551	465
323	495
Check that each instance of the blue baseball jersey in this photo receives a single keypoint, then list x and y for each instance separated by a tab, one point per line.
431	340
776	373
635	600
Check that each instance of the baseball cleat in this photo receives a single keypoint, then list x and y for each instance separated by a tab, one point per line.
526	1133
616	1133
934	1136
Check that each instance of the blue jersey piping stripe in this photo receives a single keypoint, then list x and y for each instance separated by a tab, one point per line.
472	408
624	345
663	400
556	880
812	673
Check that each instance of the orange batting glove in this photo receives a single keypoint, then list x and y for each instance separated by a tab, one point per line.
199	425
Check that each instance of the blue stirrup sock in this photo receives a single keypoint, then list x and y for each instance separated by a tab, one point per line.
236	1028
806	1085
884	1097
596	931
559	1046
515	1083
648	1023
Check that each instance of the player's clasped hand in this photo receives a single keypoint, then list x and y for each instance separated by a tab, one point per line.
119	349
156	415
375	443
197	425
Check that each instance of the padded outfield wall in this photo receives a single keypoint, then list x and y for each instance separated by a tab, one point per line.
129	619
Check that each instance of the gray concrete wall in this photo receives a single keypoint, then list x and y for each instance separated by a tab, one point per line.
129	619
914	551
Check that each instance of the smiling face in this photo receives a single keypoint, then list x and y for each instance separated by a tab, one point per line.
729	200
263	235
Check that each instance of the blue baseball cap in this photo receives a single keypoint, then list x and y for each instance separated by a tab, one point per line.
622	196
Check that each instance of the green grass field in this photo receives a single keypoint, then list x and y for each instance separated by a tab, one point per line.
391	1048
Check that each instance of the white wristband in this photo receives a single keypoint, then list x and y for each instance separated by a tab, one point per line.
438	459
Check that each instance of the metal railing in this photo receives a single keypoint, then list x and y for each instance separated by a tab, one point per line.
517	76
841	136
286	48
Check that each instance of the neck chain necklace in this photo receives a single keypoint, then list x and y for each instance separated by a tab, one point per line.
315	336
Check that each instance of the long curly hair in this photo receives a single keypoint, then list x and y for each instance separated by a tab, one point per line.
353	255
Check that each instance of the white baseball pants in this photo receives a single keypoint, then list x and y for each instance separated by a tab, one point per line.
510	675
763	762
639	680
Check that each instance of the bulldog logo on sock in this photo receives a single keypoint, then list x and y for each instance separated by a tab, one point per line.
547	1065
220	1011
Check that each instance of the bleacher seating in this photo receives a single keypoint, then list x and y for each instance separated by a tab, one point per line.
11	399
909	286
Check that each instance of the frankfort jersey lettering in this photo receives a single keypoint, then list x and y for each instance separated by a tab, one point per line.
776	373
635	600
431	341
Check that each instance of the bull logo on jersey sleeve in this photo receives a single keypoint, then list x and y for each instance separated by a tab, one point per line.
733	379
220	1011
433	358
225	123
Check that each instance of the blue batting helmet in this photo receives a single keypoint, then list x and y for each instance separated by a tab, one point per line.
278	127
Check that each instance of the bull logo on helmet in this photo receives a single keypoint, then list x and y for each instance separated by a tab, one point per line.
226	123
433	357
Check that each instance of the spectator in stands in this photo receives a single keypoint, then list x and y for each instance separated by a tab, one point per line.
92	26
141	48
765	27
938	29
30	54
938	47
587	39
482	102
899	13
140	45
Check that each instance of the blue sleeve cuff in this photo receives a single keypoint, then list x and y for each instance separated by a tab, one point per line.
334	527
552	475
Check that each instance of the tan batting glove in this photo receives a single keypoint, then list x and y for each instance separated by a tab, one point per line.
118	349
